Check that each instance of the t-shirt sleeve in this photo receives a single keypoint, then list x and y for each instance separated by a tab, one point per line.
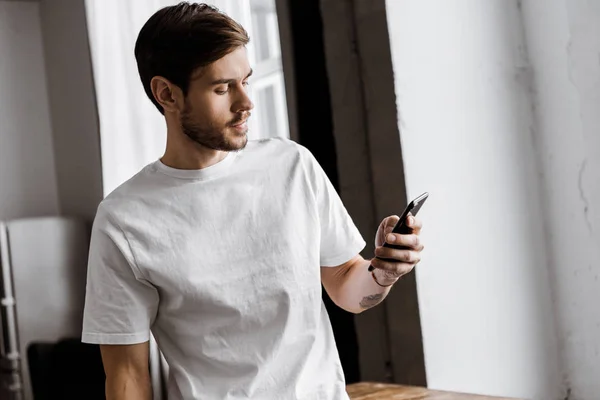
120	305
340	238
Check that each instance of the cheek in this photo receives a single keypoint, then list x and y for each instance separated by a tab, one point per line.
214	109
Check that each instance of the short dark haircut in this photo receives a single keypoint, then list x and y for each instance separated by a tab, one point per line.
177	40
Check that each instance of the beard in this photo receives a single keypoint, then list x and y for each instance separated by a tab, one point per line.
214	137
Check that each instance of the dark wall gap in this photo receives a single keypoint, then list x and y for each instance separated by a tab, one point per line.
315	132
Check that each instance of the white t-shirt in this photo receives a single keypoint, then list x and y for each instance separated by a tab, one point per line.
223	265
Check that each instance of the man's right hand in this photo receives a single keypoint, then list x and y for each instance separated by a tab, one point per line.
127	371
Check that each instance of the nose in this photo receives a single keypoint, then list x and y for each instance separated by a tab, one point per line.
243	102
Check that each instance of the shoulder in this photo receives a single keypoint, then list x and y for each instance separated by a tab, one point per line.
134	185
278	153
281	149
125	199
275	144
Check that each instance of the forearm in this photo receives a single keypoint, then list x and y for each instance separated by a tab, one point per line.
357	290
129	387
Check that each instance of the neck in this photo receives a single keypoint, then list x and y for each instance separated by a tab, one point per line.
184	153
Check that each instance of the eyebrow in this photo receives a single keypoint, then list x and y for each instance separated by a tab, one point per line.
229	81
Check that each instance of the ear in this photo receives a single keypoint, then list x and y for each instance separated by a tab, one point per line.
168	95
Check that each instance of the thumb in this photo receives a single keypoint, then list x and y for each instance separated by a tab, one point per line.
386	226
390	223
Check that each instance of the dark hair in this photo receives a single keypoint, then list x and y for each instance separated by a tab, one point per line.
177	40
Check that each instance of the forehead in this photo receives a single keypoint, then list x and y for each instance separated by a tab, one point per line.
234	65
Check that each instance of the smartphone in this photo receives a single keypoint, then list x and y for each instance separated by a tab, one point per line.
411	209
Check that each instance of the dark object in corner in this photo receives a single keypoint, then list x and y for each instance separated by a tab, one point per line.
66	370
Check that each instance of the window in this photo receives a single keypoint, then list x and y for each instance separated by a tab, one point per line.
267	87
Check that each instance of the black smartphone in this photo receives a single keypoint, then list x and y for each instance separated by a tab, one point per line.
411	209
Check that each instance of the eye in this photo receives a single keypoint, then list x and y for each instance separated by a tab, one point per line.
246	83
222	89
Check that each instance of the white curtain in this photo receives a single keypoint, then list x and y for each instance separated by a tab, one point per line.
132	131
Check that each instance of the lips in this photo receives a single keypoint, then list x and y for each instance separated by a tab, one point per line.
239	123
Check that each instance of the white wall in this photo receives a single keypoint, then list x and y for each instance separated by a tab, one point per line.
563	37
27	174
463	93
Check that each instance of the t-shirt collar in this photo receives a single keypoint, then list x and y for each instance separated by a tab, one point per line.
214	170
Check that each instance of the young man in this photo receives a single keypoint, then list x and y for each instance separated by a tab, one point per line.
221	246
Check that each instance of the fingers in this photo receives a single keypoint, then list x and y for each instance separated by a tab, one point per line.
411	241
411	221
394	262
392	270
402	256
414	223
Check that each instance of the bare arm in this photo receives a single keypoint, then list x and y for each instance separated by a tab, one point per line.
352	287
127	371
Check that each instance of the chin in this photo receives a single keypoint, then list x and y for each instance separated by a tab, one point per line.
235	134
239	141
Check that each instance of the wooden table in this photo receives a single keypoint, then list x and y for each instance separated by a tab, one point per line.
383	391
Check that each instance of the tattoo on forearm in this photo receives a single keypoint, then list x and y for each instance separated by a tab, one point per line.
371	301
